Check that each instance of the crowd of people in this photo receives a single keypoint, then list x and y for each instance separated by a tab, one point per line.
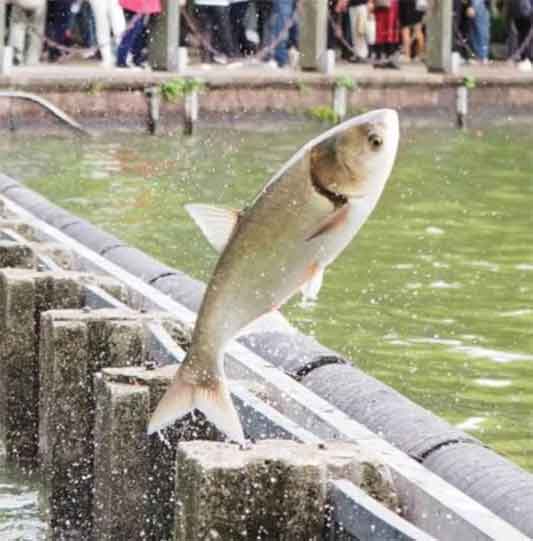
385	33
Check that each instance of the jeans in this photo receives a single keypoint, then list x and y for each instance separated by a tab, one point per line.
132	41
281	14
480	29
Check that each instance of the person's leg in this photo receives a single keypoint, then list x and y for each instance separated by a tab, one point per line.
282	16
135	26
86	25
420	39
103	32
139	42
36	30
117	19
358	22
485	32
237	15
222	29
17	33
294	31
406	41
479	30
345	41
523	27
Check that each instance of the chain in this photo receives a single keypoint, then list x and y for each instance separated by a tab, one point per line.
261	53
68	51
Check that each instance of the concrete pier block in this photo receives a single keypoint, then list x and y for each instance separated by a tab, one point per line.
19	226
23	296
14	254
121	456
74	346
275	490
159	462
268	492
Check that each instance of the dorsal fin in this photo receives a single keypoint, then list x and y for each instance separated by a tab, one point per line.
216	223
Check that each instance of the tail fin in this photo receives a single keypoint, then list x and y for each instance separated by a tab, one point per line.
214	401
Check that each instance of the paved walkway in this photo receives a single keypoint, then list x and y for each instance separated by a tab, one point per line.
76	75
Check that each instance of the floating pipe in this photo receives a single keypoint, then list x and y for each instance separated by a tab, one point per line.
50	107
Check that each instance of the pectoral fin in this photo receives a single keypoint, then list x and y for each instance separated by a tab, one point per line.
216	223
332	222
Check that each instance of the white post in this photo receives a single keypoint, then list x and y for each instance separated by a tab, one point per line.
340	95
191	112
462	106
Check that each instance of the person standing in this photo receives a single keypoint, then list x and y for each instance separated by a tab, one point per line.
387	33
138	13
28	19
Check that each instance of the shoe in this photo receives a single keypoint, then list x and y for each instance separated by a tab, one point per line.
272	64
524	65
252	36
220	59
388	64
357	60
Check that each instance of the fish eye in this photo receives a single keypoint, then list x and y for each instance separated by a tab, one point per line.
375	141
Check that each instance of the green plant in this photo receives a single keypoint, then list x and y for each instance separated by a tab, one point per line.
345	81
95	88
323	113
469	81
177	88
302	87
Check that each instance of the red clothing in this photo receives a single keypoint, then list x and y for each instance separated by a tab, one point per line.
388	24
142	6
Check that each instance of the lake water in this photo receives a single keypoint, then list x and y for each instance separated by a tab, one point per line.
434	297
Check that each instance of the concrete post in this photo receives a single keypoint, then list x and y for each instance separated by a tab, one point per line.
275	490
2	46
439	31
74	346
165	37
121	456
23	296
313	33
159	461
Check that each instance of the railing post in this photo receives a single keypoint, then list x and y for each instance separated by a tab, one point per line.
439	31
165	37
313	33
3	67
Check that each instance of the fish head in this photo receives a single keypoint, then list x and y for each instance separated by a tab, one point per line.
356	159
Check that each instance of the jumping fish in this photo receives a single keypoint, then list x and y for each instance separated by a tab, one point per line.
297	225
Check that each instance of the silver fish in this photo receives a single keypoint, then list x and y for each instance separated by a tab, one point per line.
298	224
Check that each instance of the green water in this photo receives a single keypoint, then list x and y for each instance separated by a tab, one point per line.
435	295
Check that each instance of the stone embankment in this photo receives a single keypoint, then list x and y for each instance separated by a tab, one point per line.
125	99
86	351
